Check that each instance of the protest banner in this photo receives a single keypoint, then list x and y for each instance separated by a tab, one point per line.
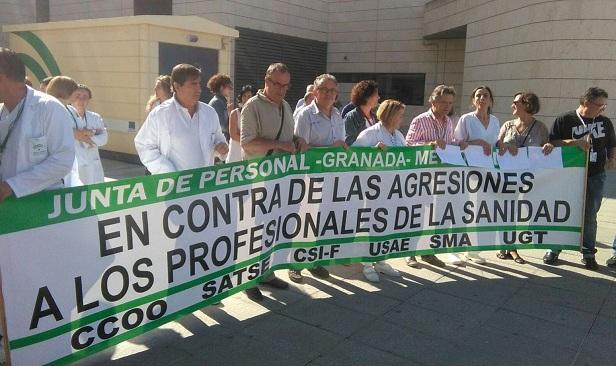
85	268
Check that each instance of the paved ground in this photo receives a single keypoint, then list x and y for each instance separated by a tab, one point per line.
501	313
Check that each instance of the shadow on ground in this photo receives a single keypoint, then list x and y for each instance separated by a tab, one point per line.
495	314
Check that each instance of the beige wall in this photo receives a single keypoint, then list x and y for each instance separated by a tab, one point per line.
555	48
119	63
298	18
387	37
15	12
89	9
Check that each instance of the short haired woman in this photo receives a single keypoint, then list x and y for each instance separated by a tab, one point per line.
382	134
523	131
365	96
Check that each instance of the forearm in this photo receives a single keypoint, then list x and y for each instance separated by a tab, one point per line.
260	146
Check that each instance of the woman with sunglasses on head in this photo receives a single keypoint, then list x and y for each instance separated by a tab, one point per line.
523	131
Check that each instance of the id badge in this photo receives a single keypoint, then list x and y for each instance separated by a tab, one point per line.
593	156
38	148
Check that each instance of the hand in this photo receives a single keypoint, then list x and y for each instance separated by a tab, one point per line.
501	148
487	148
463	145
5	191
287	146
582	144
302	145
222	148
340	143
513	150
611	164
381	146
84	136
547	148
439	143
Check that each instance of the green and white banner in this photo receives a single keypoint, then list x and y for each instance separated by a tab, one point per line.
88	267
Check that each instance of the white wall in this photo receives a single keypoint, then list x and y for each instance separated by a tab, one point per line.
555	48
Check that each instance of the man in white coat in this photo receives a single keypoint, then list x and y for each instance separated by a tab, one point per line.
181	133
36	139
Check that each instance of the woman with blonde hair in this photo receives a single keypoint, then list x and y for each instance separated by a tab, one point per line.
382	134
162	92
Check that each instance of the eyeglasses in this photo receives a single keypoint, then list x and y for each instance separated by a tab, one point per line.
279	85
328	91
601	106
516	102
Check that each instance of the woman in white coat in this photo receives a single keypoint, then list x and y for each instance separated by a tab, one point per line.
89	169
382	134
479	128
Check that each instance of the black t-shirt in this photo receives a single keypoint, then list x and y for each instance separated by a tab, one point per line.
568	126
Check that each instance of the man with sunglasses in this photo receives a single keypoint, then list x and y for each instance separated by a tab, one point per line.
267	128
591	131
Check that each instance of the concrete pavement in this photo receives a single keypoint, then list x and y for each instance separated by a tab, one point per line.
501	313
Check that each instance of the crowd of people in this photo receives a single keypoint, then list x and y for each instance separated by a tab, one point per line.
49	139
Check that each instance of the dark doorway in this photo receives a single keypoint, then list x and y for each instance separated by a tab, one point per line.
206	59
255	50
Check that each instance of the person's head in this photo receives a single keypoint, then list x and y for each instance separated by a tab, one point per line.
442	99
220	84
81	97
12	72
325	90
162	88
277	82
525	104
44	83
482	99
366	92
186	81
62	87
246	93
593	102
390	113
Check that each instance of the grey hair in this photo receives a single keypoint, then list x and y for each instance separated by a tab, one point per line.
276	67
441	90
323	78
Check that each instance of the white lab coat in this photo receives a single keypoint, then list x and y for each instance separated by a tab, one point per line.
156	136
87	168
376	133
40	151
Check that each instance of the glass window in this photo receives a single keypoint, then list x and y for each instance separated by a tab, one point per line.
407	88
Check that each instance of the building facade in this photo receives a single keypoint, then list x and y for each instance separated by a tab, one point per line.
556	48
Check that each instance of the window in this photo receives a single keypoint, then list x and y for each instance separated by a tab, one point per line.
153	7
407	88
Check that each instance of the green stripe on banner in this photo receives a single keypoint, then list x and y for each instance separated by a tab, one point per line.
40	337
190	309
41	48
32	211
33	65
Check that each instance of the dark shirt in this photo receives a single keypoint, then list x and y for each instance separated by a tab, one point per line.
219	103
354	124
347	108
568	126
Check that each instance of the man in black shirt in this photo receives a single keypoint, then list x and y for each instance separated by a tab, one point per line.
589	130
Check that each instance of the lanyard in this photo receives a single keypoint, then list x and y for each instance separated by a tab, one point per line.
528	133
72	116
12	125
584	123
